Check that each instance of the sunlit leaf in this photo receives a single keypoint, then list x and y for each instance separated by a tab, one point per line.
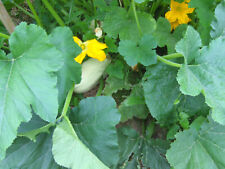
27	79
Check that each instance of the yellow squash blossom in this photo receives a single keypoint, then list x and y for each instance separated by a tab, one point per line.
92	48
178	13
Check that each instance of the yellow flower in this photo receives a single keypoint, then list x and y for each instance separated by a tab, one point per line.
92	48
178	13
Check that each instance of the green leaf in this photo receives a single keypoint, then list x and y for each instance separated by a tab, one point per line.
163	30
70	73
197	123
134	105
193	105
119	22
111	43
94	121
172	131
76	155
160	91
184	122
35	123
116	69
114	84
139	52
207	77
189	83
2	42
189	45
24	154
218	24
27	79
135	149
34	127
199	149
204	12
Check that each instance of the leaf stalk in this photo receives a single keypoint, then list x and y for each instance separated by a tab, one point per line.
23	10
4	36
170	63
53	12
34	13
136	17
173	56
67	102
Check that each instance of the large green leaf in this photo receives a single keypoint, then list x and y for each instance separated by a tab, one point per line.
204	10
24	154
160	91
199	149
34	127
136	151
218	25
163	30
27	79
207	77
94	121
116	69
193	105
119	22
189	45
113	84
71	71
70	152
139	52
134	105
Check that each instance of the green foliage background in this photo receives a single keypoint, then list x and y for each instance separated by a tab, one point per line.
161	103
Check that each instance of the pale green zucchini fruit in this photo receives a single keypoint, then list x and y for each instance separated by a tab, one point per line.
92	70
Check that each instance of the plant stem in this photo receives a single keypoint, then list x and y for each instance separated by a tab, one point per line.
93	6
161	59
23	10
5	47
67	102
31	134
100	88
136	17
53	12
173	56
150	130
34	13
126	4
154	7
4	36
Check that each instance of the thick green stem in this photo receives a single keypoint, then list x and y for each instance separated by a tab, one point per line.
155	5
136	17
31	134
23	10
161	59
53	12
150	130
100	88
34	13
173	56
126	3
67	102
4	36
93	6
6	48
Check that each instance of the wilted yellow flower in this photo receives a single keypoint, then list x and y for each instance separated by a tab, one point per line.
92	48
178	13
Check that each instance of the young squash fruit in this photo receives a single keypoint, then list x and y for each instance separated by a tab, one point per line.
92	70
